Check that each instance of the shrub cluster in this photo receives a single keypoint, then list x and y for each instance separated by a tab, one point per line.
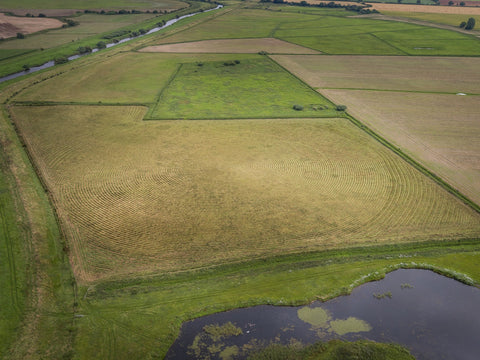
361	9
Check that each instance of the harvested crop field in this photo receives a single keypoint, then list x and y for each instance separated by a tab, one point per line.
246	46
11	25
442	131
427	9
426	74
155	196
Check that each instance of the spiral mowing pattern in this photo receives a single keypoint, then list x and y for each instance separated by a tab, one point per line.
137	196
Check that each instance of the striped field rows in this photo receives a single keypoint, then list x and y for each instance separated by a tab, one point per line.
158	196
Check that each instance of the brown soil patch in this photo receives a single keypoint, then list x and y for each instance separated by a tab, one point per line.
236	46
428	9
47	12
414	8
11	25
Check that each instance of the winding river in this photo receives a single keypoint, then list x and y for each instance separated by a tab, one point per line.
73	57
435	317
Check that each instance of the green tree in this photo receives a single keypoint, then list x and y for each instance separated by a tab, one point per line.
470	24
20	36
463	24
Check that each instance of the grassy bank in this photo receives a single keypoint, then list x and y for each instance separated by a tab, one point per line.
123	319
38	301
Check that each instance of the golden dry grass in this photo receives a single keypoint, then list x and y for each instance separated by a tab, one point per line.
412	8
11	25
235	46
140	197
433	74
433	9
442	131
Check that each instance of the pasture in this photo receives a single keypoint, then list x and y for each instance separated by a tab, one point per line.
139	197
233	89
332	34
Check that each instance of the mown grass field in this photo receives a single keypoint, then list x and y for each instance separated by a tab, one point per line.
428	120
334	34
151	196
167	220
440	130
421	74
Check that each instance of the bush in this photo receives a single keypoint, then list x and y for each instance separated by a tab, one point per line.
297	107
26	67
71	22
263	52
60	60
84	49
142	31
20	36
341	107
101	45
462	24
41	15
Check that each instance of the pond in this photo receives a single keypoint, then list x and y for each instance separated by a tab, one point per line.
435	317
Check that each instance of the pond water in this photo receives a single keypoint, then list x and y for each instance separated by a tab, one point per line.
73	57
435	317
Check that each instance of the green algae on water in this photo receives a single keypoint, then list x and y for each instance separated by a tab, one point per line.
350	325
317	317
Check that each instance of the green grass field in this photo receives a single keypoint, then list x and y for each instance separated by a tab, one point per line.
253	88
12	267
166	220
334	34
